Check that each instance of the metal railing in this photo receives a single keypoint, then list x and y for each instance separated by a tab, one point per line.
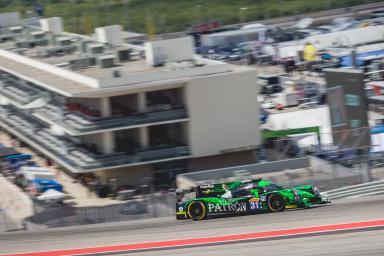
113	122
76	157
365	189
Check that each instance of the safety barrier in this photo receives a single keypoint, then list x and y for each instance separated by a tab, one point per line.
365	189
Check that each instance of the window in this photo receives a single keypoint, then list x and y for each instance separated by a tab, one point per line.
352	100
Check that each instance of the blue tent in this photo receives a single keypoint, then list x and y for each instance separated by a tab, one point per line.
346	61
18	157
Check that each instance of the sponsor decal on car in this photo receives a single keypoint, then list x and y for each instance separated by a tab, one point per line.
207	186
207	191
235	207
254	204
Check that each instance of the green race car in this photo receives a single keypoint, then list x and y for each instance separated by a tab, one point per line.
243	197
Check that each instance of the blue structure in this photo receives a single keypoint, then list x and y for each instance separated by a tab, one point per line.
43	185
346	61
18	157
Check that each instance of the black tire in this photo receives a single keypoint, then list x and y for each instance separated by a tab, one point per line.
276	203
197	210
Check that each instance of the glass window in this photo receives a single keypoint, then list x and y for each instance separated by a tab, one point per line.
352	100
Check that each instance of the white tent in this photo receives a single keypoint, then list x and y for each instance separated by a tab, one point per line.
51	194
304	23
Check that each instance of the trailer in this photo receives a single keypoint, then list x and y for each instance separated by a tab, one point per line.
233	37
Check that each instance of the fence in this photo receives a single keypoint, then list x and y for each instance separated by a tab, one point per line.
366	189
58	215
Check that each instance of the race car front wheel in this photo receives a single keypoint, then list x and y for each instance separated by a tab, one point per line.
276	203
196	210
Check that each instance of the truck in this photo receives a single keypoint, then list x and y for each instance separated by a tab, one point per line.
37	180
287	99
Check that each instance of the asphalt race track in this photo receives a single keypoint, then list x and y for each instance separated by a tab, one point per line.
364	238
336	245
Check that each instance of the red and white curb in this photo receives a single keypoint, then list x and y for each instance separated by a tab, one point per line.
207	240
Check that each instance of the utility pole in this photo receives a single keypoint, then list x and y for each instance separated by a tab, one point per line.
198	14
126	5
242	16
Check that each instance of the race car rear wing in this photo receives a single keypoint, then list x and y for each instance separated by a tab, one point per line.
180	193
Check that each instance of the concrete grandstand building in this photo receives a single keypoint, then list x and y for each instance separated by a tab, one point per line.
96	104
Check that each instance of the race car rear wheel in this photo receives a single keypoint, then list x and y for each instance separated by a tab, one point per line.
276	203
197	210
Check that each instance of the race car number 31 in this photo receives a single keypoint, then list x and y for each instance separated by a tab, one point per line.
254	205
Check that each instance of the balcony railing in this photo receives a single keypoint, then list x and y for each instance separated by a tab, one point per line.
65	149
78	123
20	93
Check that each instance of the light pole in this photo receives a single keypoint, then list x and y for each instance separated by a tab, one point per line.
242	14
126	14
199	17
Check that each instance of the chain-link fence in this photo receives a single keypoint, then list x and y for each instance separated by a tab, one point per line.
59	215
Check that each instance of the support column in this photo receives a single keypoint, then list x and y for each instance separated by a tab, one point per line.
144	136
108	142
105	107
141	102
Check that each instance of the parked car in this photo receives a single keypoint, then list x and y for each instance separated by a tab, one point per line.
307	105
37	180
268	104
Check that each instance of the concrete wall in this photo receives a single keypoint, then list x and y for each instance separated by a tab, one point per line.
14	202
53	25
110	35
177	49
9	19
223	110
128	175
221	161
185	180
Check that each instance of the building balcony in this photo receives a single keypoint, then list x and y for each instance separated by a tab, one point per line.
20	94
69	152
76	123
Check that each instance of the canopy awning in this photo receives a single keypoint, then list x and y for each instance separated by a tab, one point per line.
51	194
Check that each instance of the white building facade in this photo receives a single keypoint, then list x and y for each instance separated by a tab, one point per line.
122	117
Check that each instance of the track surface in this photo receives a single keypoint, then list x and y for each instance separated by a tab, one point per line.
346	211
354	244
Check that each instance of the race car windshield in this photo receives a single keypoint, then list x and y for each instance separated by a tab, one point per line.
246	186
243	190
271	187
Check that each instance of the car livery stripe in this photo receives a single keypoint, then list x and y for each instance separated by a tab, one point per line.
207	240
